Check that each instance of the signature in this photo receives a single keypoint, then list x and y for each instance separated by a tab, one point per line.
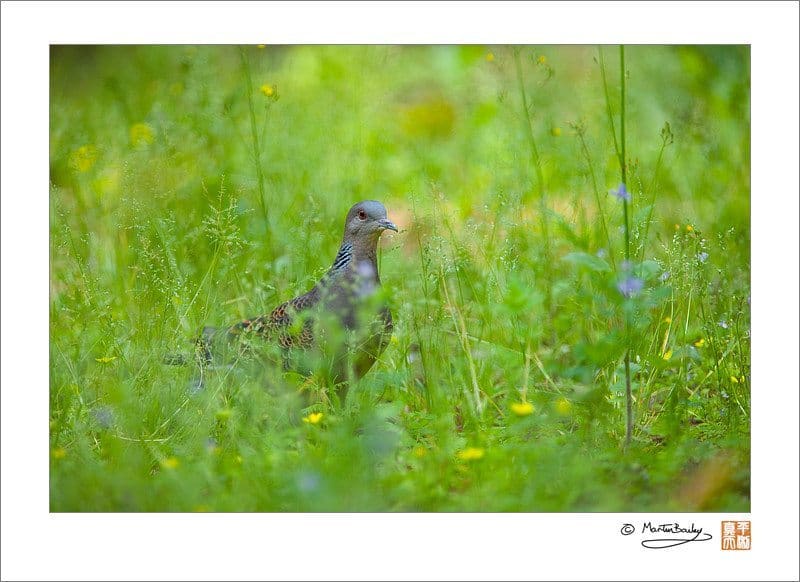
677	535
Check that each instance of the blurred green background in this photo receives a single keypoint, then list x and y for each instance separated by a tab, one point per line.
194	185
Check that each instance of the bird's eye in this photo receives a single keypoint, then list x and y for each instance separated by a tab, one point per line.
362	215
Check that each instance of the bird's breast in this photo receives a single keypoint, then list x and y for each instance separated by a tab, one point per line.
366	278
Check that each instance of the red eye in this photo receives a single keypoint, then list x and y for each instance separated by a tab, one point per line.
362	215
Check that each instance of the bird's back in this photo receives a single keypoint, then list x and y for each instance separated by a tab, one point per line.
336	319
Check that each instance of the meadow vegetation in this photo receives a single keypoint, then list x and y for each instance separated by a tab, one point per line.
198	185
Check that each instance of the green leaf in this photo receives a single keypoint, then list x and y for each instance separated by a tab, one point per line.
564	227
587	261
649	269
642	214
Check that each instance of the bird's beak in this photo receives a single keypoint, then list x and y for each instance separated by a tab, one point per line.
387	224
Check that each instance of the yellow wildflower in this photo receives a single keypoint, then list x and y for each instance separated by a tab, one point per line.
667	355
700	343
141	134
668	319
555	131
105	359
489	57
541	60
734	380
470	454
107	181
170	463
563	406
419	452
689	228
313	418
522	408
59	453
267	90
261	46
83	158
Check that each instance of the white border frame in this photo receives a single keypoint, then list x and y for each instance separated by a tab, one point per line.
37	545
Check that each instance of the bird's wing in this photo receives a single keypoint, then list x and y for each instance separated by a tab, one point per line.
279	322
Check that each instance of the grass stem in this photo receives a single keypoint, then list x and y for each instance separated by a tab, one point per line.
537	164
255	142
624	172
596	190
619	146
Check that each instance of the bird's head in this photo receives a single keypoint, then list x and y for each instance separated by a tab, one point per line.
367	220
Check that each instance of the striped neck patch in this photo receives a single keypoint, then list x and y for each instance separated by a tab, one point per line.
343	257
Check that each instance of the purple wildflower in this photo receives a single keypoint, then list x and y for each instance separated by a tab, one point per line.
630	286
702	257
103	416
308	481
622	192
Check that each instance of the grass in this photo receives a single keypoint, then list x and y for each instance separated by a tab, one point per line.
196	186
